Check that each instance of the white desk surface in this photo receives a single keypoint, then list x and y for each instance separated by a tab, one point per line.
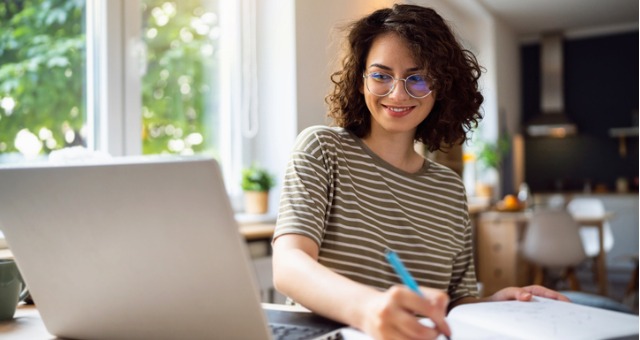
27	323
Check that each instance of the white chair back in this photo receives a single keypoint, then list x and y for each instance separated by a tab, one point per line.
591	207
552	239
586	207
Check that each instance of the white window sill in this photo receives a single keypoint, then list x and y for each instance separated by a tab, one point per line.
248	219
3	241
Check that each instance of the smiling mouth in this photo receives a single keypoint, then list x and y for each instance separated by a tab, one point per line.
398	111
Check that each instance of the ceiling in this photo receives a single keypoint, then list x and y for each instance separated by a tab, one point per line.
532	17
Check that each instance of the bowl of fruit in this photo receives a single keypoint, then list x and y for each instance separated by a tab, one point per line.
510	203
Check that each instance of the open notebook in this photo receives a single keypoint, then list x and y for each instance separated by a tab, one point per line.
143	248
540	318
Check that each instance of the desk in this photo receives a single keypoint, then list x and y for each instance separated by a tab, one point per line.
28	325
257	232
499	263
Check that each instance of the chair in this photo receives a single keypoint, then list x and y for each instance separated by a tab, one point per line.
556	201
552	242
588	207
591	207
631	293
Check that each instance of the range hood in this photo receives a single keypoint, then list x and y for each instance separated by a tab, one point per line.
552	121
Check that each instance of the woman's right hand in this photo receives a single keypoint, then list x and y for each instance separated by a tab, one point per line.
392	315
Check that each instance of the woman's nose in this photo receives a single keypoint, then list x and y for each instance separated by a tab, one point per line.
399	91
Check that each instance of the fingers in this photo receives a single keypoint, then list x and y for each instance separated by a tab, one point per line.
394	316
409	326
523	295
436	309
527	293
545	292
432	305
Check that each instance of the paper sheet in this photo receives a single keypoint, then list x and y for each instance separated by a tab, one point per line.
538	319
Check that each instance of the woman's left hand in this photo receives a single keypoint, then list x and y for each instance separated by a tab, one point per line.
526	293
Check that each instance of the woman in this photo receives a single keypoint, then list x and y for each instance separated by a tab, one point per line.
353	191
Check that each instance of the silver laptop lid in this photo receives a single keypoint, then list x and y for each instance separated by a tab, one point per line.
131	248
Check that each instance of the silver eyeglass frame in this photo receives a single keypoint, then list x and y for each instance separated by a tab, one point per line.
393	86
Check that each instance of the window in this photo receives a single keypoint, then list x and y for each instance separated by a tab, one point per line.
125	77
180	82
42	75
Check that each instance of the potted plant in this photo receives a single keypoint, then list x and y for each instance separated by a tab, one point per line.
490	154
489	157
256	183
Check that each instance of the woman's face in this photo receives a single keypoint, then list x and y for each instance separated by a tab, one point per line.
397	112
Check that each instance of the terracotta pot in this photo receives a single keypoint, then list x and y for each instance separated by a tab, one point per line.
484	190
256	202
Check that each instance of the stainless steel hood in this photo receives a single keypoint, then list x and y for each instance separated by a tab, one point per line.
552	121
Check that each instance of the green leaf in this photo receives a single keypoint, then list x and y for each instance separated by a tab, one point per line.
256	178
58	62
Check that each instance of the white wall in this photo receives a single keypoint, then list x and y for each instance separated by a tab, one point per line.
508	78
318	39
277	96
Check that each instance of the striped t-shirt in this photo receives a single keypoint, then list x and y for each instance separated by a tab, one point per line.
355	205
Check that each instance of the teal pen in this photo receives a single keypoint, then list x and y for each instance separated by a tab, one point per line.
402	272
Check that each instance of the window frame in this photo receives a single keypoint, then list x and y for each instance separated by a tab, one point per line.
113	81
115	55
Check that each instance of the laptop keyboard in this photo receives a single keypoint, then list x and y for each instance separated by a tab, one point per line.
286	325
294	332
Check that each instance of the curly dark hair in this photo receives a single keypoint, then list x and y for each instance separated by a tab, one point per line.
454	72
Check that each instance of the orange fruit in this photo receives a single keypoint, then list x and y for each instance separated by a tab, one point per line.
511	202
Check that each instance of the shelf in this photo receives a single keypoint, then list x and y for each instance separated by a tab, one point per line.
623	132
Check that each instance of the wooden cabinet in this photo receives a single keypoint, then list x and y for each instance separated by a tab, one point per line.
498	261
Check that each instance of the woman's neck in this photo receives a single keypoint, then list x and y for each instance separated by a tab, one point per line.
395	149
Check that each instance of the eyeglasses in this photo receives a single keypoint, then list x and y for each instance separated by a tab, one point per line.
381	84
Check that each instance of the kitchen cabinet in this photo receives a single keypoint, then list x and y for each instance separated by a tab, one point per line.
498	260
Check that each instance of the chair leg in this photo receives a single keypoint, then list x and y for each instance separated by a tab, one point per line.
574	284
632	286
539	276
594	271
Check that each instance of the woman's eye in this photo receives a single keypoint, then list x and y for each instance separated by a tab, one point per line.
416	78
380	76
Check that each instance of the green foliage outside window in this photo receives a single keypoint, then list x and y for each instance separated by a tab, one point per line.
42	52
42	75
180	82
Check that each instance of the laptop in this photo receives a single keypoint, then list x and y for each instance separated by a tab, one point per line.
136	248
